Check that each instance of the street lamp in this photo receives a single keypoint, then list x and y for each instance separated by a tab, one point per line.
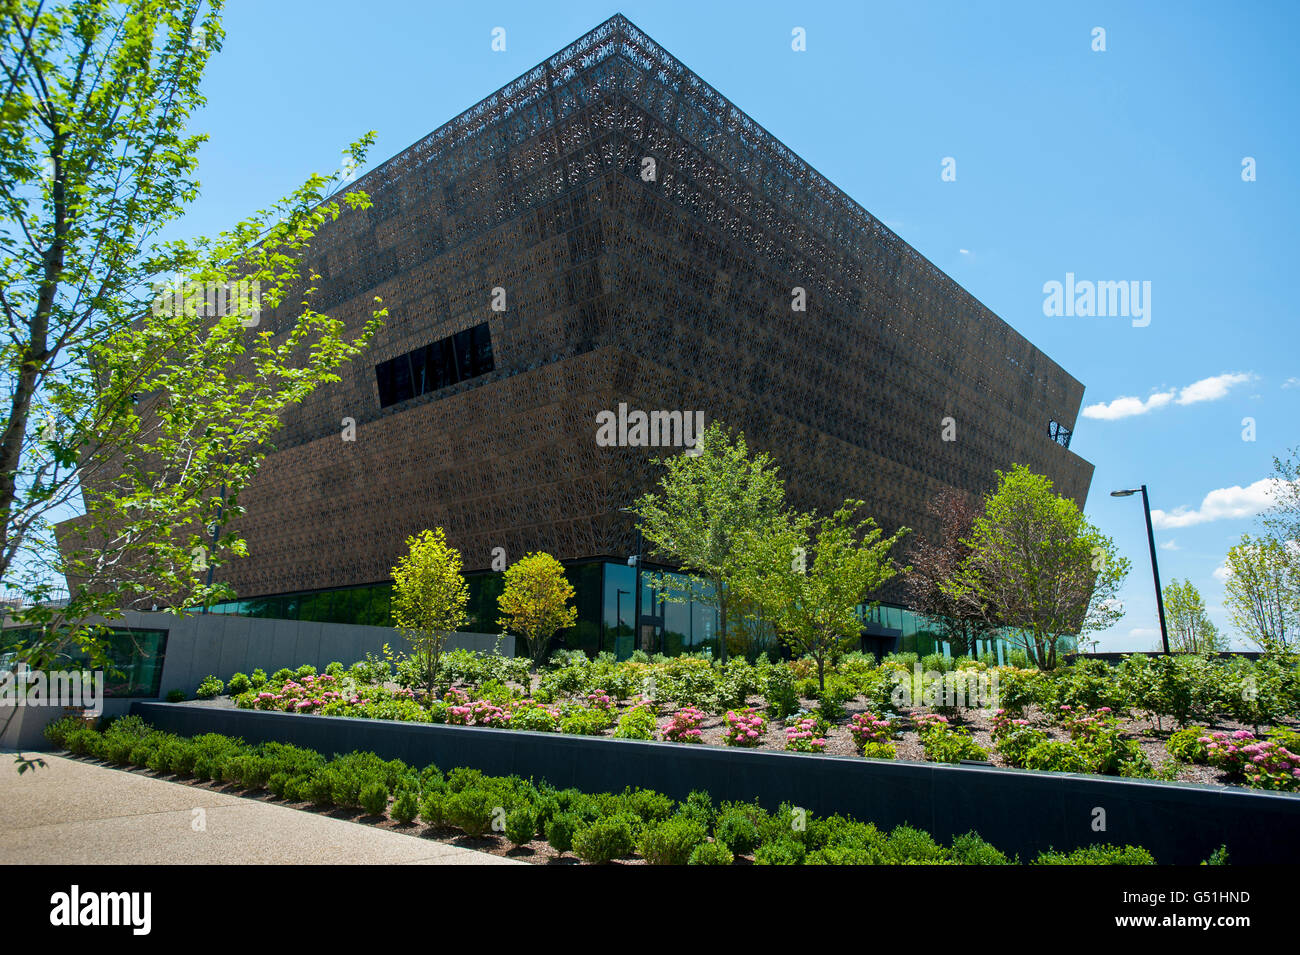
1155	568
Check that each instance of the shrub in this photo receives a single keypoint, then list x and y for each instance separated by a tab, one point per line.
783	851
335	669
585	721
304	671
970	849
209	688
374	798
175	696
637	722
559	831
879	751
1058	756
671	842
803	736
405	807
711	853
831	701
607	838
737	827
647	805
57	732
82	742
1098	855
944	744
699	806
433	808
1218	857
866	728
683	726
745	728
257	678
471	810
239	683
282	675
536	718
782	700
521	825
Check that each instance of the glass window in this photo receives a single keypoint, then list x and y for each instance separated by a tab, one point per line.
619	608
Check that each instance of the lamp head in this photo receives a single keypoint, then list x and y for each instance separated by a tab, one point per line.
1125	493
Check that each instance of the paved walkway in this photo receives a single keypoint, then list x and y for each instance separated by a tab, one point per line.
76	813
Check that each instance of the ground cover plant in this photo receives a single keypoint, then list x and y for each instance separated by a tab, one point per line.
1145	717
533	820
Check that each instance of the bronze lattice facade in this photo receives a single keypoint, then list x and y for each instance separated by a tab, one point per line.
670	292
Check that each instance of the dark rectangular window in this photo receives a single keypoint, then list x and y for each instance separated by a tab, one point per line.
449	360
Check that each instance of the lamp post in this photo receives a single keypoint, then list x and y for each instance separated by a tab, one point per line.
1155	568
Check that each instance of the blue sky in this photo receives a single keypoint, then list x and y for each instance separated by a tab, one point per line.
1117	165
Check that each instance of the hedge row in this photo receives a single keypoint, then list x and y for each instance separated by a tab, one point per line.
596	827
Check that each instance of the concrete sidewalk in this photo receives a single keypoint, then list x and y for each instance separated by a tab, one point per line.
74	813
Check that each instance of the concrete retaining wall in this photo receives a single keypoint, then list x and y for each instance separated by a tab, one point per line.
1018	811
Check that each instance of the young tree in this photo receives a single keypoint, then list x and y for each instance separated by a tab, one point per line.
959	618
1262	592
535	602
1040	566
706	500
814	602
429	598
154	416
1190	630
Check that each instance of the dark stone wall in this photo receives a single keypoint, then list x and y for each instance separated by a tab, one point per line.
1018	811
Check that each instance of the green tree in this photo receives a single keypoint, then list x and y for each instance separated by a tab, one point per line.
1034	557
814	602
534	603
1190	630
156	417
707	498
1262	591
429	598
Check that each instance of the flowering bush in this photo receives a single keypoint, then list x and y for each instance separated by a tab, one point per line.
1082	725
1004	724
536	717
944	743
865	728
801	736
637	722
683	726
745	728
1266	764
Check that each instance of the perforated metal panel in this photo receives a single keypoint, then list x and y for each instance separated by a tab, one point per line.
669	294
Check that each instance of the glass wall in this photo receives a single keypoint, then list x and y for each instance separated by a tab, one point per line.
672	622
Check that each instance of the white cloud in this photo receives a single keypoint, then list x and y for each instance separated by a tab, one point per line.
1143	633
1291	382
1207	389
964	251
1220	504
1169	545
1127	407
1222	573
1211	389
